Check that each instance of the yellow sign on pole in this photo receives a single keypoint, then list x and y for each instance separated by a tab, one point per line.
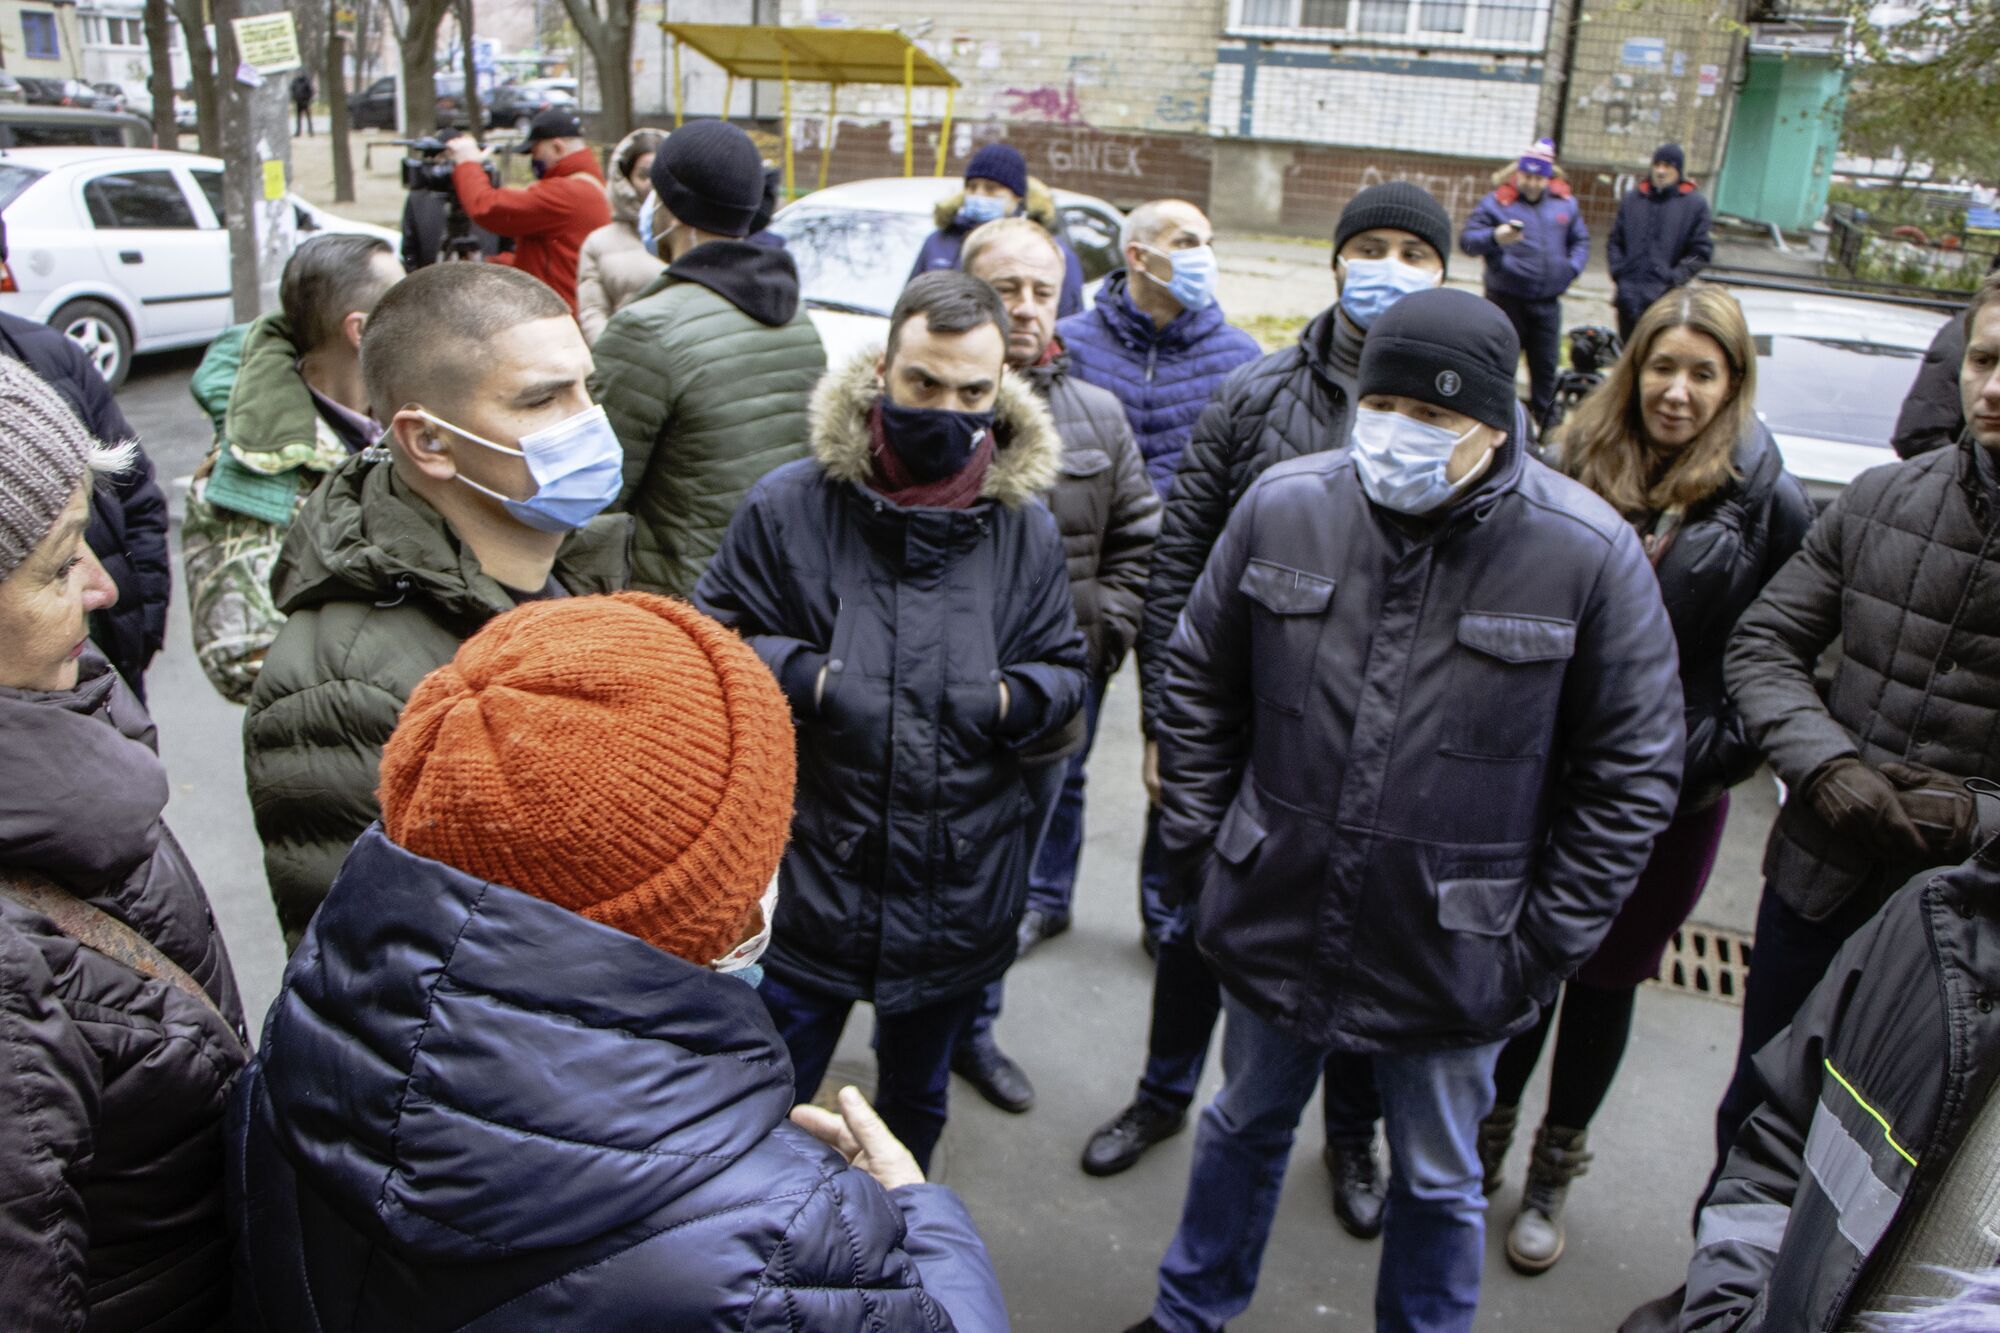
274	179
268	43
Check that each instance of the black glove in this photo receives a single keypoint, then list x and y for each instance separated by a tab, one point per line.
1945	812
1863	806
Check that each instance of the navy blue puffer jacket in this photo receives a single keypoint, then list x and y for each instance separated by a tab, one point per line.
474	1109
1163	376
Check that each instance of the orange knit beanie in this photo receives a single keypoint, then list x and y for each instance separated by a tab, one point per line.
624	757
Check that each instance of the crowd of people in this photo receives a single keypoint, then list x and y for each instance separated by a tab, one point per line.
630	693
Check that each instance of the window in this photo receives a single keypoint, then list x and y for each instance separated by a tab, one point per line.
211	185
38	35
138	200
93	29
1418	22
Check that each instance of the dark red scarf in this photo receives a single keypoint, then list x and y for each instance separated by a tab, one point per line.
893	481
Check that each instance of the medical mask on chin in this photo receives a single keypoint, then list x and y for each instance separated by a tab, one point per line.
982	208
1402	462
1193	282
578	467
743	962
1370	286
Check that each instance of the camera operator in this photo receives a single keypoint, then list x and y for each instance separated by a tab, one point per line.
549	220
434	226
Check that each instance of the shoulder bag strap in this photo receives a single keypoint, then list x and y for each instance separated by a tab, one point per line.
100	932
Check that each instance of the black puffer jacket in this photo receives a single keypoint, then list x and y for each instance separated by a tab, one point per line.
1726	551
1430	756
111	1185
1659	241
128	515
1933	412
1868	1096
1904	569
908	868
1105	508
1295	401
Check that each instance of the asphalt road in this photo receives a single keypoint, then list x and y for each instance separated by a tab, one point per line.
1075	1253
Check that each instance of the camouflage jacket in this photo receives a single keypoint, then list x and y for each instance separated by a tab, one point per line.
272	448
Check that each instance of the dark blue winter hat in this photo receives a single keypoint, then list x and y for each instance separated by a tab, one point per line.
1446	347
1002	165
1671	154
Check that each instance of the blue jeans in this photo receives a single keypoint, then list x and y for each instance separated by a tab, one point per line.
912	1055
1434	1229
1052	882
1045	787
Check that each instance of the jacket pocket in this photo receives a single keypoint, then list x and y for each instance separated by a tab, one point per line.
1289	611
1506	681
1478	907
1084	462
1481	906
1240	835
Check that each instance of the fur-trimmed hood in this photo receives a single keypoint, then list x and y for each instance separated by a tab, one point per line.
1027	448
1503	183
1041	206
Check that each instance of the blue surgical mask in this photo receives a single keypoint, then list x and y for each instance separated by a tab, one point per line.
980	208
744	962
646	237
578	467
1193	282
1402	462
1370	286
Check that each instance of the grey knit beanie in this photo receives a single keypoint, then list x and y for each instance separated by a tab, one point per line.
45	455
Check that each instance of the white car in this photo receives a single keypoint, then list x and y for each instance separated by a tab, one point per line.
854	245
124	249
1832	373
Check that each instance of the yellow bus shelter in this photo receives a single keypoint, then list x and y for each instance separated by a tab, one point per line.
833	56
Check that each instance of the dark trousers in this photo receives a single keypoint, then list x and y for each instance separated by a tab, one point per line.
1791	955
302	117
912	1055
1186	1002
1539	326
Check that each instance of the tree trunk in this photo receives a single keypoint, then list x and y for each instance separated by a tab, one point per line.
334	84
160	74
420	36
609	37
204	75
474	119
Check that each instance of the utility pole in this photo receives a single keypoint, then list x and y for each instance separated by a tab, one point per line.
257	163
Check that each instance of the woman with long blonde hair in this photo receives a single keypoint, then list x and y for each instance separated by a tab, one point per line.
1671	439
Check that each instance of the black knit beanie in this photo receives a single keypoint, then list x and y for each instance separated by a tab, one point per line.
708	175
1448	348
1401	205
1671	154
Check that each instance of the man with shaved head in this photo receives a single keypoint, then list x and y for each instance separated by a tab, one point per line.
483	492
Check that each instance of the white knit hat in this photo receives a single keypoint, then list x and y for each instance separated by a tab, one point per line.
45	454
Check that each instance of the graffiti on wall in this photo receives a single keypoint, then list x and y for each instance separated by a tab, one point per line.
1094	153
1457	193
1057	105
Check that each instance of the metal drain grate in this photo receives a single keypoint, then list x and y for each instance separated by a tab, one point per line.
1707	960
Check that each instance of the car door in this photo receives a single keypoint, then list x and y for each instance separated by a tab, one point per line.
164	247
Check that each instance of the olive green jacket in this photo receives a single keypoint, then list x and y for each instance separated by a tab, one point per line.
377	593
706	398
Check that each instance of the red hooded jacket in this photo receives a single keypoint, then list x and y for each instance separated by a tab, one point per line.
548	221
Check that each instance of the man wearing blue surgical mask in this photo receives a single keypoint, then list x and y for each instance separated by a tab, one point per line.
997	185
1420	727
486	491
1391	240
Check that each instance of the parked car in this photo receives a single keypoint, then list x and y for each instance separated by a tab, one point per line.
66	92
69	126
374	108
854	245
515	105
11	91
1832	372
113	94
125	250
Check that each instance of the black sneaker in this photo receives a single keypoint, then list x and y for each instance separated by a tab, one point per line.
1035	927
999	1080
1123	1141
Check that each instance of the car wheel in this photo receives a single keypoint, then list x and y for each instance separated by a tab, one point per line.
100	331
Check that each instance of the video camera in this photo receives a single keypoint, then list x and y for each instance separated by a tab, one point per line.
425	167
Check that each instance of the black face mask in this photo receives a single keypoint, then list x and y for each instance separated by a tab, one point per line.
538	167
933	443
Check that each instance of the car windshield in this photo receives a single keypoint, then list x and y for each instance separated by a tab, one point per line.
1833	389
853	258
14	179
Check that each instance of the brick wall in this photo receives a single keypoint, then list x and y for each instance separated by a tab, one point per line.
1638	80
